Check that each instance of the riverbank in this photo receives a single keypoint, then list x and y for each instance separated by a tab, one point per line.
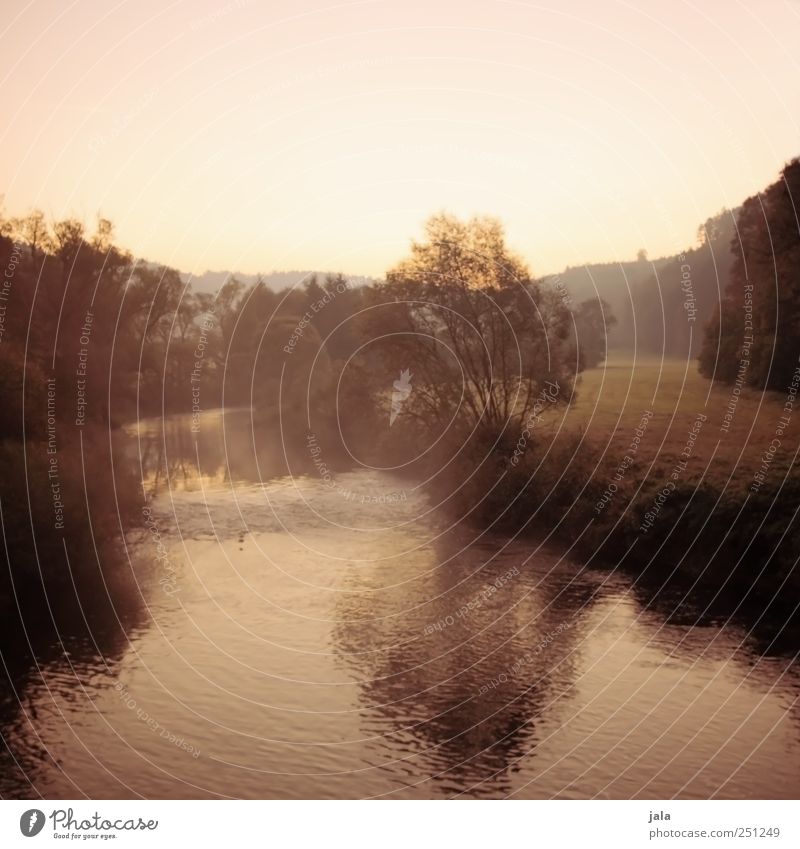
652	469
66	506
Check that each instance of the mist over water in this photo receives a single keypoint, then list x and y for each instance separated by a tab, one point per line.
400	400
298	638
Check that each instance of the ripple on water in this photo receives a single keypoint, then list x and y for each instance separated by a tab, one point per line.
309	648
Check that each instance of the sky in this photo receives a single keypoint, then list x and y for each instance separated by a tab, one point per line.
256	136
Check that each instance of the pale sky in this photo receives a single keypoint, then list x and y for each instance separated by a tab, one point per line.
248	135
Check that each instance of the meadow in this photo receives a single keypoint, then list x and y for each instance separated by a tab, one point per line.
652	469
612	398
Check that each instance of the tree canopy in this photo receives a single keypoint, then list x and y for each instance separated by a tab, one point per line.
753	335
463	313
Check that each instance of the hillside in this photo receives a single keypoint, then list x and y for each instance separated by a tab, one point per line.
614	282
661	305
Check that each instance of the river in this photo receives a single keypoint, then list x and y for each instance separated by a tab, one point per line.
308	637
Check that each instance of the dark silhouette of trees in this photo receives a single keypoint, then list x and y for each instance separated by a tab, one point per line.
64	504
754	335
479	336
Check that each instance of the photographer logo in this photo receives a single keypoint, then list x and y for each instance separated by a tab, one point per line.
31	822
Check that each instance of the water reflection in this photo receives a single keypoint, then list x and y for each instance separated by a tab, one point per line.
340	641
183	452
49	667
463	655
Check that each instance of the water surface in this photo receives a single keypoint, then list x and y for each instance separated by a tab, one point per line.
303	638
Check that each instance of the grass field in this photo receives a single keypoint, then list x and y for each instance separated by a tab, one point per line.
611	401
652	468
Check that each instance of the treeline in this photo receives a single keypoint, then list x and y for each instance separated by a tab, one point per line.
730	301
72	306
615	284
672	306
92	338
662	305
753	337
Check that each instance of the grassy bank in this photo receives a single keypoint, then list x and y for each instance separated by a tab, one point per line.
611	400
652	469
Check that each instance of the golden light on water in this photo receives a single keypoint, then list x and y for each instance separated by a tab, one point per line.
461	531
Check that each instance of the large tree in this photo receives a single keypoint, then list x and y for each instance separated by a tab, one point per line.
480	339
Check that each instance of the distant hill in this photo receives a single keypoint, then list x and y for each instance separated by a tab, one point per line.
212	281
614	282
673	307
661	305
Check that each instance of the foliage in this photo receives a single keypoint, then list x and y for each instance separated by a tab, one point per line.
479	336
753	337
593	323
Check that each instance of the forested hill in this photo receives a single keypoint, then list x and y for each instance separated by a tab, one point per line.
613	282
210	282
661	305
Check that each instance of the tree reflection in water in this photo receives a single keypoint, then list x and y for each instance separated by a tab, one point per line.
462	658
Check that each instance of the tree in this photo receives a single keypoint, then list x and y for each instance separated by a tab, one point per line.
593	322
754	335
464	316
714	228
33	231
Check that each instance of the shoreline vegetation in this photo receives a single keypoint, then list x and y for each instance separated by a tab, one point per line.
532	421
644	472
